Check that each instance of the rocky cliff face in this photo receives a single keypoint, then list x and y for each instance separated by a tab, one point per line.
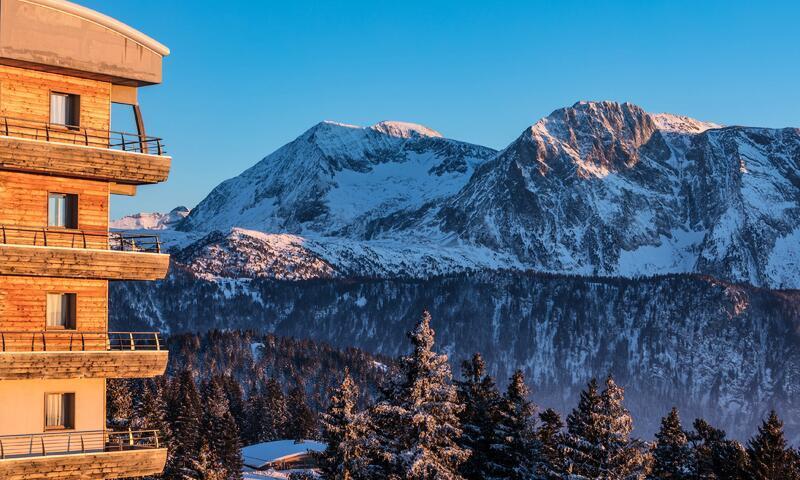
722	351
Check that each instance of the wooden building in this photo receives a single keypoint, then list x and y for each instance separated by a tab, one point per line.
68	74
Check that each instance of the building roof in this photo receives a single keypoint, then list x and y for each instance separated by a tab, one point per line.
62	37
104	21
261	454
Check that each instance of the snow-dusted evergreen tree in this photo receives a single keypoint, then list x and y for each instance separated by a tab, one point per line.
769	455
302	422
220	432
267	413
416	422
717	457
185	416
478	394
517	449
673	456
550	435
598	444
343	431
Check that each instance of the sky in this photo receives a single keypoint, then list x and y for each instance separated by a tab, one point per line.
245	77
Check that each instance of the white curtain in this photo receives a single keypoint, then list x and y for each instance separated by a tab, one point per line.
57	210
54	410
58	109
56	310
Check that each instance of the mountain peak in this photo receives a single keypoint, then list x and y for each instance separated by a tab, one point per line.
404	129
668	122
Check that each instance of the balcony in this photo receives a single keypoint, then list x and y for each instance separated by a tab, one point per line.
60	354
50	252
125	158
69	455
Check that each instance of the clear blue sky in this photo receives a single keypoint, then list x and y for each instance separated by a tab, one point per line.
246	77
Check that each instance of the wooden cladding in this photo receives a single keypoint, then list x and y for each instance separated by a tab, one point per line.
78	161
24	202
128	463
23	302
26	94
89	364
81	263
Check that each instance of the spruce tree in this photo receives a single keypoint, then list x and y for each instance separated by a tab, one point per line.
478	394
267	413
715	456
185	419
769	455
673	457
598	444
220	432
302	423
550	435
343	431
416	422
517	450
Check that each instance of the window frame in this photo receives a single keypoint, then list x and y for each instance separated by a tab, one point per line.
68	413
71	213
72	115
71	320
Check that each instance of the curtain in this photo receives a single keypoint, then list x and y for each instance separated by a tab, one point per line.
56	310
54	416
58	108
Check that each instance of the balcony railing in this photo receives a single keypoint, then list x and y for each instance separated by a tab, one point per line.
78	341
68	442
60	237
76	135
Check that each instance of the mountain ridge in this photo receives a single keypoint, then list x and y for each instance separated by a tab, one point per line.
597	188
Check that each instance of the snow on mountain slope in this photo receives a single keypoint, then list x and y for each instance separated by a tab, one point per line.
151	221
334	178
598	188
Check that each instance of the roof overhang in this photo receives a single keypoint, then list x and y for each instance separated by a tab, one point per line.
62	37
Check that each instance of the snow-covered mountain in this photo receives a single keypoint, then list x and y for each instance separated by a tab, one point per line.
598	188
335	179
151	221
606	188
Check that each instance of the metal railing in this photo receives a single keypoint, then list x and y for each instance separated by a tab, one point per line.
78	341
77	135
65	237
71	442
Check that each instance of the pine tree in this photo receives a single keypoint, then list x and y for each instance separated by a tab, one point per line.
220	432
715	456
302	422
550	435
598	444
267	413
517	449
479	418
416	422
343	431
769	455
185	419
673	457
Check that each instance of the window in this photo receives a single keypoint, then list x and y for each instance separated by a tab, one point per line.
59	411
61	310
62	210
65	109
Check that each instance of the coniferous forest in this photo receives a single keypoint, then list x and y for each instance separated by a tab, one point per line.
412	418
